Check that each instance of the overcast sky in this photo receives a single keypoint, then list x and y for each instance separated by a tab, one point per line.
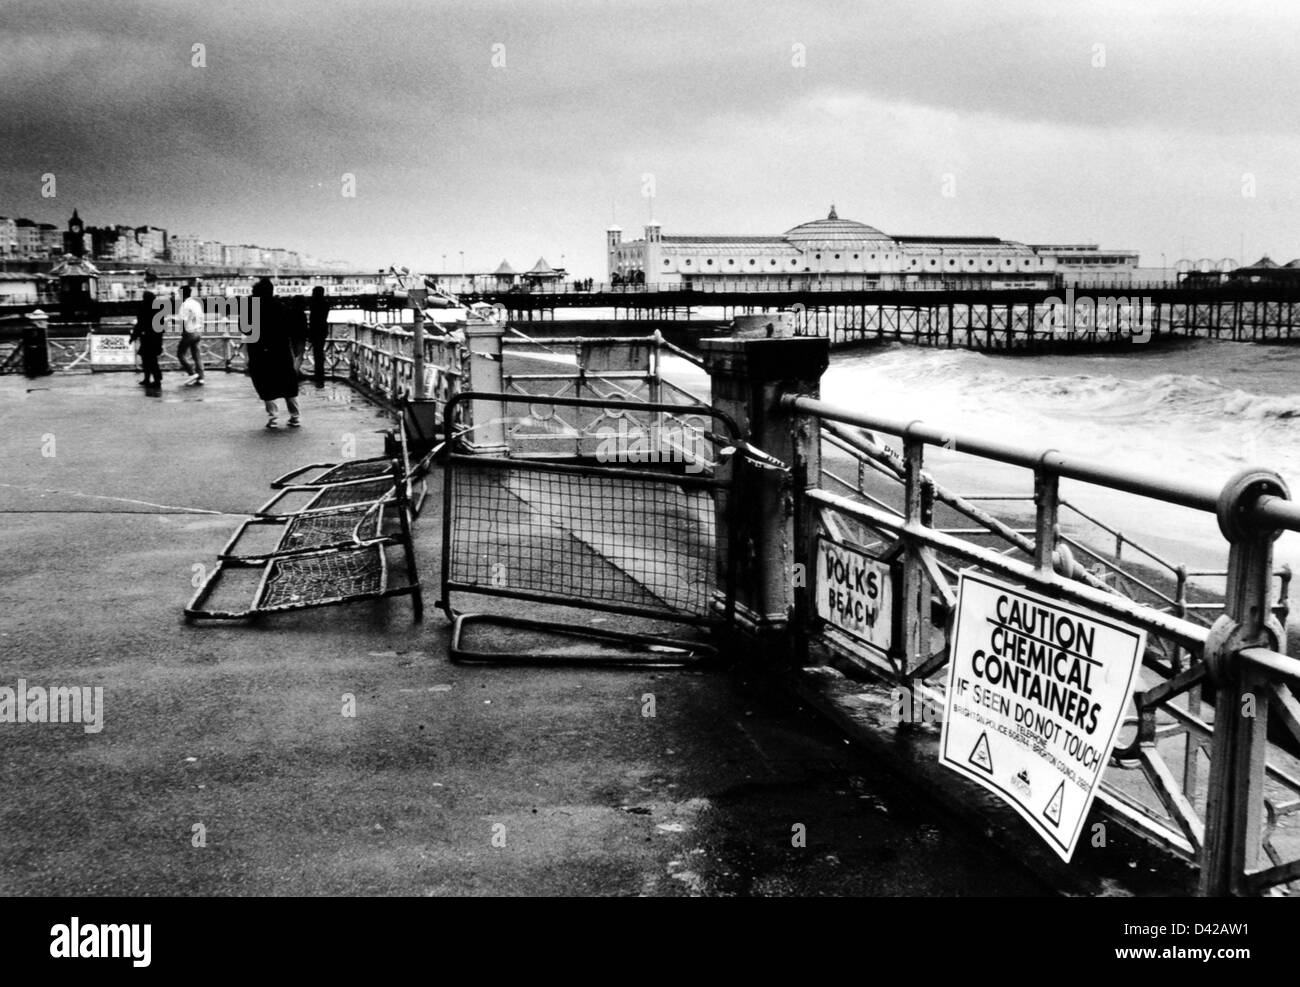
751	116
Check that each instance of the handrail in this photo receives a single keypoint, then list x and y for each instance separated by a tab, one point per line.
1268	509
1239	655
1110	603
833	282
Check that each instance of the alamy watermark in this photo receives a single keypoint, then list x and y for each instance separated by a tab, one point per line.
636	443
219	312
93	940
1127	314
57	704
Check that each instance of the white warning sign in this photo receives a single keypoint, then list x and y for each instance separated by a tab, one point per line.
854	593
111	350
1037	689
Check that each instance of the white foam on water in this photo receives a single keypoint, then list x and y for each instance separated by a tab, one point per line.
1201	413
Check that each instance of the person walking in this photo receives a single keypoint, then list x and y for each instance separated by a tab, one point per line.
270	355
150	340
318	332
297	315
192	323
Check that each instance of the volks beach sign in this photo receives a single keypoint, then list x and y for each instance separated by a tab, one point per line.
1037	690
855	593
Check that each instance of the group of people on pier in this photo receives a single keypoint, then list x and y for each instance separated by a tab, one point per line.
278	332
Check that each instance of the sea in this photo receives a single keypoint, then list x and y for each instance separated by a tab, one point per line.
1201	411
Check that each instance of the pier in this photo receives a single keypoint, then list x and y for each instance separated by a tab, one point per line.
967	316
960	316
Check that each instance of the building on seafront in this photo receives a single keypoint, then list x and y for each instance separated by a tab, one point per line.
835	253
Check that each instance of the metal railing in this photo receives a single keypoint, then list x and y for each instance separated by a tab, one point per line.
772	284
1234	830
379	358
627	368
382	361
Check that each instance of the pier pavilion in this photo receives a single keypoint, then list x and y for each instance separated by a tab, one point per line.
835	253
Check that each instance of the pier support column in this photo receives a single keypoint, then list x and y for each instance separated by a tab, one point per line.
749	378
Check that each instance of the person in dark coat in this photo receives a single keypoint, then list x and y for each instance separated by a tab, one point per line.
150	339
270	354
297	313
318	331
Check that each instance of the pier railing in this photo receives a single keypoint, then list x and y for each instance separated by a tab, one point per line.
773	284
1202	690
379	359
1153	580
486	356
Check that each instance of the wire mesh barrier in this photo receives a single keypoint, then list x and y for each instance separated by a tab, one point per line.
334	548
307	531
1198	765
567	534
325	577
629	526
361	469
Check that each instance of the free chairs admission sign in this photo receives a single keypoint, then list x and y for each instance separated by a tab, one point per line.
1037	690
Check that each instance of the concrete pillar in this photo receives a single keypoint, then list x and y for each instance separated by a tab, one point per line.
749	378
417	298
483	339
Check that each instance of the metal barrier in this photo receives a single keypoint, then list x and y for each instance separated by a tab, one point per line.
1153	588
628	527
1237	665
616	368
382	361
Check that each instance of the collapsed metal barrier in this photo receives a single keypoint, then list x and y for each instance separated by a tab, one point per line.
332	548
604	505
1235	666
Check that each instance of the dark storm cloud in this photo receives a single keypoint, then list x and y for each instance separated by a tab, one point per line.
593	94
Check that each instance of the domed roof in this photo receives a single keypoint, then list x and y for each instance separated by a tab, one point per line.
832	229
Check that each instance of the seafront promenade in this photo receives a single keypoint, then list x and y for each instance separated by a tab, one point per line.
226	766
137	491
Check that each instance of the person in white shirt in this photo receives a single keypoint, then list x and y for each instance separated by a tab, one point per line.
192	321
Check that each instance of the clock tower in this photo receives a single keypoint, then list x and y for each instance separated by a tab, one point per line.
74	239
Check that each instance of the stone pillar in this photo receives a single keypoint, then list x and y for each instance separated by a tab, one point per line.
749	378
483	339
417	298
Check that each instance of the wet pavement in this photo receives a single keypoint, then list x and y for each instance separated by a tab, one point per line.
226	764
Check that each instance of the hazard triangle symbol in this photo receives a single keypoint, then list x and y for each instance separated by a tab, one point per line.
1053	811
980	756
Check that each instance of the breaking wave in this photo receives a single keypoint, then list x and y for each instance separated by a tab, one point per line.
1201	412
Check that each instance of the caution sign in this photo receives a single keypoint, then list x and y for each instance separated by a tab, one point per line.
111	352
1037	690
855	593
